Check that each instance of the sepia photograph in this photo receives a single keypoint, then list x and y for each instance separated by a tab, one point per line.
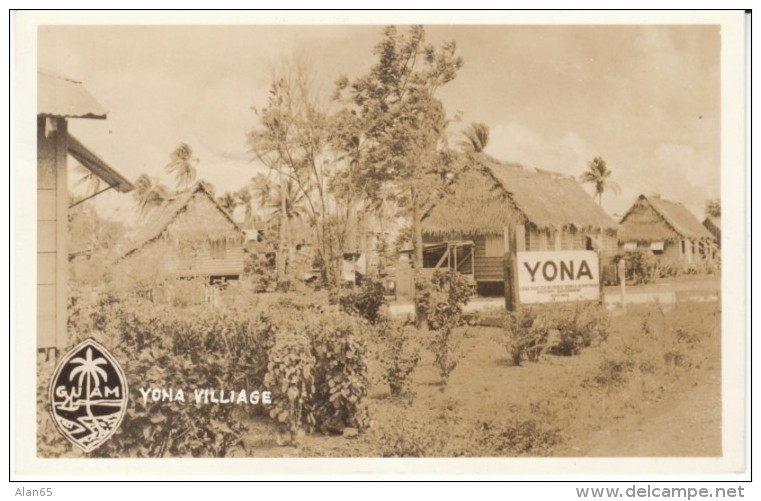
384	239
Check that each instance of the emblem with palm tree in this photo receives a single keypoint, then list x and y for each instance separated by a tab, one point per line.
88	371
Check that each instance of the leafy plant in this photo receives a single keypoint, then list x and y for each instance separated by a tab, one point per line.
399	356
365	301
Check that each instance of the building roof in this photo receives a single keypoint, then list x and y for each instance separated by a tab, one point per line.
713	221
166	214
493	193
58	96
98	166
675	215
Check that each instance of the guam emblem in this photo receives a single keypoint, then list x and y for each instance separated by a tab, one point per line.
88	395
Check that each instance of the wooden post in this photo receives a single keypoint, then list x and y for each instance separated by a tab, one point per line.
621	268
599	277
510	264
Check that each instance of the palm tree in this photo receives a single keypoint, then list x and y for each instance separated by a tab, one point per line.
713	208
244	199
89	371
269	196
183	166
598	174
227	202
475	137
149	193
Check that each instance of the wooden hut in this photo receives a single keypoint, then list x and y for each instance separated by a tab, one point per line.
667	229
549	211
190	235
60	99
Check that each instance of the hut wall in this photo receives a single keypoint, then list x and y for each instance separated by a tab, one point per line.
488	258
52	207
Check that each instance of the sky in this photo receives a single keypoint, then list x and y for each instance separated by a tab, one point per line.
645	98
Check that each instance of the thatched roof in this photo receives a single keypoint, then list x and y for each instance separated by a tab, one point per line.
491	194
164	221
654	218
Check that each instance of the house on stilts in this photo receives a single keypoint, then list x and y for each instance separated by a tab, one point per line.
467	230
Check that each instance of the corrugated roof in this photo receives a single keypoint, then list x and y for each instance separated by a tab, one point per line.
59	96
163	216
98	166
494	193
674	214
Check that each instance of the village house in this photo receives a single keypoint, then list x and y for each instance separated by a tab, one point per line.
60	99
668	230
466	230
191	236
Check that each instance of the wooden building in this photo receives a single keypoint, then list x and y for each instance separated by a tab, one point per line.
549	211
667	229
60	99
190	235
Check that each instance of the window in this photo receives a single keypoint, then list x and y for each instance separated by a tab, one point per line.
218	249
657	248
494	247
630	246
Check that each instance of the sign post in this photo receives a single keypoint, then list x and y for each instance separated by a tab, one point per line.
510	263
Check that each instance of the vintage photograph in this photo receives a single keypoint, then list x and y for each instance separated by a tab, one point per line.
396	240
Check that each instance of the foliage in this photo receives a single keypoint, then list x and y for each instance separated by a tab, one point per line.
366	301
529	436
259	270
182	164
399	355
397	125
641	266
290	372
149	193
713	207
439	303
598	175
526	335
563	330
475	137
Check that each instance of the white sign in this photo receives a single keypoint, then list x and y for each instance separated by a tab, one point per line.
558	276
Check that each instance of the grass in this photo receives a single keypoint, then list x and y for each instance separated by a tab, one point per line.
553	407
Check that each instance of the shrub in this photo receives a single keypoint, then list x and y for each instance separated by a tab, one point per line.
530	436
365	301
399	356
439	303
290	373
641	266
580	328
526	337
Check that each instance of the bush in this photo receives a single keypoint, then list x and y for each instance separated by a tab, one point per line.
292	345
641	266
562	330
365	301
439	303
530	436
399	356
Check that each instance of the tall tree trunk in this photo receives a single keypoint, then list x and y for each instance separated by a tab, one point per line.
417	231
282	250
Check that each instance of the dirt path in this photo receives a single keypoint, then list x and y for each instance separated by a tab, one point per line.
689	426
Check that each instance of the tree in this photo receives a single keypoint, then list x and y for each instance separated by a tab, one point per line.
598	175
244	199
149	193
227	202
400	124
183	165
475	138
713	208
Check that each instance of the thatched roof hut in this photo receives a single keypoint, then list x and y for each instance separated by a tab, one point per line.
656	219
491	194
713	224
166	221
